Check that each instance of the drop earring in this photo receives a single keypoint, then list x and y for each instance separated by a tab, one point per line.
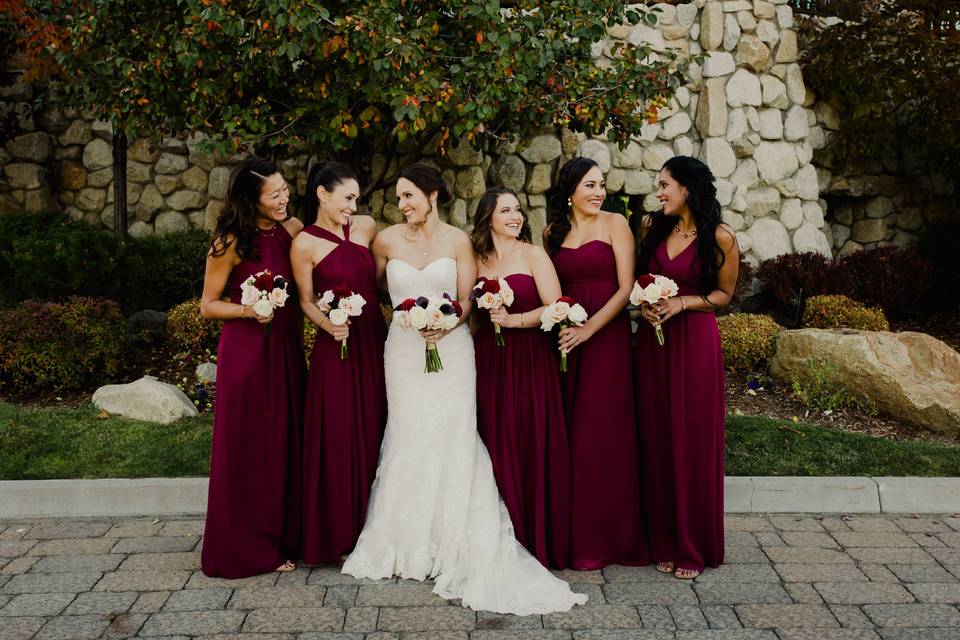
569	202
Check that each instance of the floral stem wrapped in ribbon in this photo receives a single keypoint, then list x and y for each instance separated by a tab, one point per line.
340	304
491	294
264	292
565	312
651	289
429	313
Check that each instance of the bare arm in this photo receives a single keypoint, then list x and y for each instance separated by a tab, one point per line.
302	254
215	277
548	287
381	253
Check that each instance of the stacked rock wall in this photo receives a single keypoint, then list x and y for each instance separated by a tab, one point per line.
746	113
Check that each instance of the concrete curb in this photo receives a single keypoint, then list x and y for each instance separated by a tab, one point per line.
759	494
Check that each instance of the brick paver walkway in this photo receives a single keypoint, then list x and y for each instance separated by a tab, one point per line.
787	578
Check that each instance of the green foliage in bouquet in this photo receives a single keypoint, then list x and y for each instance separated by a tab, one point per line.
840	312
54	347
190	331
749	340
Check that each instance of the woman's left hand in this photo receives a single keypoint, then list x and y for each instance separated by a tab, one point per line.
571	337
668	308
433	336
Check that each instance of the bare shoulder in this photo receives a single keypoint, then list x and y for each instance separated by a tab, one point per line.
363	223
535	254
615	222
726	238
224	247
302	241
293	226
459	236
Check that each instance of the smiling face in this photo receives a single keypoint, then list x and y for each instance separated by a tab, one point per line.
507	218
274	197
590	192
671	194
414	204
338	205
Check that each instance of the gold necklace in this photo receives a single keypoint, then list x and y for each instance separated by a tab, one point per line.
684	234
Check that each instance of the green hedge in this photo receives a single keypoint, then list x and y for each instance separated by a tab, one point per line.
48	256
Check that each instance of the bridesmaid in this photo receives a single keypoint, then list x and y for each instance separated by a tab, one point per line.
346	400
519	404
253	506
593	252
682	399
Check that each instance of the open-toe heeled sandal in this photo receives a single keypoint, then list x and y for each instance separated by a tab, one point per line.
685	574
286	567
665	567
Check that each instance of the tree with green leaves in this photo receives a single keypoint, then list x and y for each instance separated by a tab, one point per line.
347	80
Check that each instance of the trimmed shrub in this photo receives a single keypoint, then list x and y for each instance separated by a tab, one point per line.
162	271
840	312
792	277
748	339
893	278
190	331
69	346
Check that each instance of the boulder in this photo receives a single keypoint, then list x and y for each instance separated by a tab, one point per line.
909	376
598	151
207	372
145	399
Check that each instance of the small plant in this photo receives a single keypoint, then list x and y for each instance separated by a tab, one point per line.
749	340
190	331
61	346
820	388
794	276
840	312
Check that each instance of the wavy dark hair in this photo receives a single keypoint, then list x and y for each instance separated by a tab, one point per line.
428	180
558	210
327	175
239	215
702	201
481	236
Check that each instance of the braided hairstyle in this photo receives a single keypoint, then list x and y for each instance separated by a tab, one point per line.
702	201
239	215
558	207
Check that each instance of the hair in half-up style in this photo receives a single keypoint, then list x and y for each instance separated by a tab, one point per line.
482	234
428	180
239	215
702	201
558	207
327	175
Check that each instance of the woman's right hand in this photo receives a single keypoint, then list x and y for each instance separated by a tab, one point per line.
338	332
650	314
256	316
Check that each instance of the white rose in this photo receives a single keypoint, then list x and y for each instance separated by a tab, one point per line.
279	296
450	321
668	288
418	318
577	315
324	301
248	283
357	302
263	307
553	314
487	301
651	293
434	317
546	321
402	318
346	305
636	295
506	293
338	316
249	295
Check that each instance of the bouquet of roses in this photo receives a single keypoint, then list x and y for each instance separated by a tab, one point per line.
490	294
340	304
264	292
651	289
428	313
566	313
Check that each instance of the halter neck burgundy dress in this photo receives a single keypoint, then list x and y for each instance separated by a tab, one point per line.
253	505
598	395
346	409
520	418
681	412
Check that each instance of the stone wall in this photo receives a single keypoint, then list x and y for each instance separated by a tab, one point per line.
746	112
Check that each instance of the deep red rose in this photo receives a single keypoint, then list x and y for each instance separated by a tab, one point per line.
341	292
408	304
645	280
491	286
457	307
264	281
566	299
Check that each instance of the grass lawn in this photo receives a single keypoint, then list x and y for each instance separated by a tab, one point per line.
74	443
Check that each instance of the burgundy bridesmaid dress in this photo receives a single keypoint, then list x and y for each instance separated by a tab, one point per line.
598	394
681	409
253	504
520	418
345	409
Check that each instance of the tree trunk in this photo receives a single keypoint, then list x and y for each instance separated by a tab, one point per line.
120	183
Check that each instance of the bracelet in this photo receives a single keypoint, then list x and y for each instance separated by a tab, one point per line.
243	311
683	303
521	320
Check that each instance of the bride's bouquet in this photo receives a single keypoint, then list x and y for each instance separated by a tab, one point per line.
428	313
490	294
651	289
340	304
264	292
566	313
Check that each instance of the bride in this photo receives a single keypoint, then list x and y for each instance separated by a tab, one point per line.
434	508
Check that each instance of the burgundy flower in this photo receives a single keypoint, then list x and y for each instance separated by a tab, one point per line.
264	281
645	280
566	299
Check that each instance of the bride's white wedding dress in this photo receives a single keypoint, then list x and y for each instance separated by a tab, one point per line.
434	509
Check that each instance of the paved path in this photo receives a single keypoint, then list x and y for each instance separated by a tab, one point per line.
787	577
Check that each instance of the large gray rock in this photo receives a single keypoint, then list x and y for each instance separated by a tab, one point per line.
25	175
170	222
630	157
769	239
207	372
509	171
463	154
711	26
218	181
719	156
145	399
743	88
711	117
810	238
545	148
598	151
97	155
909	376
776	161
34	147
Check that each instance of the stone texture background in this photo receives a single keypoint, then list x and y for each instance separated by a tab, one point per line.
746	112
